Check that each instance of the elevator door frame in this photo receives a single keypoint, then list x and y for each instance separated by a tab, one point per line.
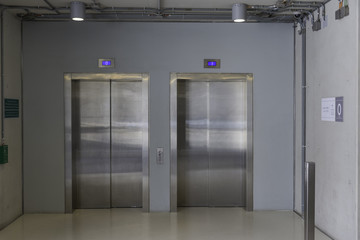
69	163
211	77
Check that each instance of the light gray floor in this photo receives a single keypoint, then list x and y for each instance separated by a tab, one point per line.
186	224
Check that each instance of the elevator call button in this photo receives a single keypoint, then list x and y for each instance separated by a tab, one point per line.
160	155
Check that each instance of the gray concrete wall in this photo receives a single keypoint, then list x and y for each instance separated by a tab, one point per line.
332	71
11	173
50	49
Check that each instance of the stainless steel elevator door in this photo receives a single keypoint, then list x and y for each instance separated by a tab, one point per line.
193	139
212	140
126	144
227	143
91	143
107	143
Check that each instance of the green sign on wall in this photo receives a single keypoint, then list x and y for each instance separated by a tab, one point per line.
11	108
4	154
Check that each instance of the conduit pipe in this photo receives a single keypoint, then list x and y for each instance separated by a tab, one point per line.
51	6
303	111
28	7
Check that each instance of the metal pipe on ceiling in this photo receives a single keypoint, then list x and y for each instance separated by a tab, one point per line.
51	6
26	7
171	18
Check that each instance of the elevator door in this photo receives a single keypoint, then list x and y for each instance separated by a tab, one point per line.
107	143
126	144
212	142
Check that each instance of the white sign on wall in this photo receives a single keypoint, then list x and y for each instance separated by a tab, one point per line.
332	109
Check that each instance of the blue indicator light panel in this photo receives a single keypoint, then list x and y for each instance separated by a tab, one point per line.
211	63
106	63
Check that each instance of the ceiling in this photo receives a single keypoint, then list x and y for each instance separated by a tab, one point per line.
164	10
144	3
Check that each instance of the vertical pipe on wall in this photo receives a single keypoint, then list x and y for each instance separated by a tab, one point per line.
22	115
294	118
303	114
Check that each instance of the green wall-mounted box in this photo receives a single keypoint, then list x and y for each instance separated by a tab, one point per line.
3	154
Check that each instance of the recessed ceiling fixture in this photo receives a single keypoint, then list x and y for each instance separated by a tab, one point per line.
77	11
239	12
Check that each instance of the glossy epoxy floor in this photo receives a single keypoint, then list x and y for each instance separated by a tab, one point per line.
132	224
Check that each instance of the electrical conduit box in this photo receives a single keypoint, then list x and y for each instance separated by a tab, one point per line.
3	154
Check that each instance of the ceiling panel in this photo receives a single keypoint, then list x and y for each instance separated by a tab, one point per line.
147	3
37	3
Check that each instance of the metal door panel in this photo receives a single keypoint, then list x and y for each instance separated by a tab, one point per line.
227	150
91	143
192	143
126	144
227	143
89	135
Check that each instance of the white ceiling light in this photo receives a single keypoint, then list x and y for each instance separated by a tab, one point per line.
77	11
239	12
